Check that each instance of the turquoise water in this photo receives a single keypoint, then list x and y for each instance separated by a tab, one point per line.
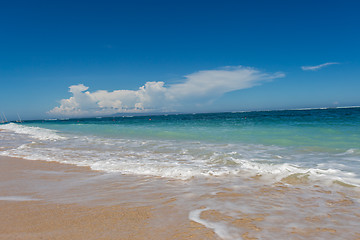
327	129
321	143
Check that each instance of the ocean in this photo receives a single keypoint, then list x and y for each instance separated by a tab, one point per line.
288	172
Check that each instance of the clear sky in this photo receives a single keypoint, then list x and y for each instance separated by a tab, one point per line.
176	56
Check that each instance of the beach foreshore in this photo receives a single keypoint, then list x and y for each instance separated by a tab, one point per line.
38	202
50	200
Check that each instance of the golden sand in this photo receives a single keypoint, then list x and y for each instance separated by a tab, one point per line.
49	200
27	220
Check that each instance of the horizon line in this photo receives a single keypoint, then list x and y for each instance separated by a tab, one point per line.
181	113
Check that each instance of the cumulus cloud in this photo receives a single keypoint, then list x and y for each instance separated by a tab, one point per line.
195	88
317	67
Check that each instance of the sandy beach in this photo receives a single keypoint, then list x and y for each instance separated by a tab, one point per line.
49	200
27	214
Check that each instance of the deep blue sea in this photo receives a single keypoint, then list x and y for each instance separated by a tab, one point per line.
294	174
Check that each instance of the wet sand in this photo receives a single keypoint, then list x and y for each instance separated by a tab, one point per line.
49	200
26	214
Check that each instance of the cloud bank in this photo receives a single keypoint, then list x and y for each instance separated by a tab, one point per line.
196	88
317	67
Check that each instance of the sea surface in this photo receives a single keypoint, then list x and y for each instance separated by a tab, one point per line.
281	166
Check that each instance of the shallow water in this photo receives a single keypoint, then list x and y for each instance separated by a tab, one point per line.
323	145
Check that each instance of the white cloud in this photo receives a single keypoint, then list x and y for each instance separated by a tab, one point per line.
196	88
317	67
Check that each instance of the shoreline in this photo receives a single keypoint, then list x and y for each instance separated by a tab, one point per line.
25	214
50	200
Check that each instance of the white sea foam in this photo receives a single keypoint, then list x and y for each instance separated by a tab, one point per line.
274	213
34	132
220	228
18	198
351	151
180	159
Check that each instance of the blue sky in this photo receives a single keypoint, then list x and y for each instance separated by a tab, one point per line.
199	56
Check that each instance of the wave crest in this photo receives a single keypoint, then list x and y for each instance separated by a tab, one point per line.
34	132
